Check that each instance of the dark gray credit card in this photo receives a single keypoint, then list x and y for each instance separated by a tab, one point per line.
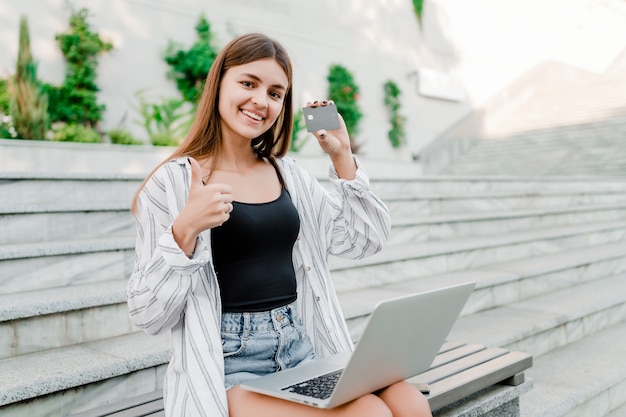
321	117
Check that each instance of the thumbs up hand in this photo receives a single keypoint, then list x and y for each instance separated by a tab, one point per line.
208	206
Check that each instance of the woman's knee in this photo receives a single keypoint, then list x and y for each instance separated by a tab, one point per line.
404	399
369	406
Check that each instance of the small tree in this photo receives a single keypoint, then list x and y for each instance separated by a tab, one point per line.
27	105
344	92
190	68
75	101
396	134
4	96
418	7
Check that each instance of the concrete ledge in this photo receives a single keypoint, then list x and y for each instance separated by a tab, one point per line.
495	401
56	300
43	373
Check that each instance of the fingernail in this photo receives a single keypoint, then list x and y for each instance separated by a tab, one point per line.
324	102
315	102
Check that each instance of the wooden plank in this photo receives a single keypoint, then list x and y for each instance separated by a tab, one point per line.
449	345
476	378
142	410
442	372
107	410
455	354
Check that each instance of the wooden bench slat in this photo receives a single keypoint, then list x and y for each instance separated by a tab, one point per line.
435	374
477	378
456	354
449	345
130	403
147	409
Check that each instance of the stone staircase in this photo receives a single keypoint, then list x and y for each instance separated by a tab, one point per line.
547	255
574	128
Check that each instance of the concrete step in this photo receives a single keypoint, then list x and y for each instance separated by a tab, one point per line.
449	226
586	378
36	266
447	203
618	412
65	192
487	183
72	379
498	284
414	260
547	322
51	226
45	319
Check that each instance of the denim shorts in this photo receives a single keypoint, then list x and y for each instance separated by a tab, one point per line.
260	343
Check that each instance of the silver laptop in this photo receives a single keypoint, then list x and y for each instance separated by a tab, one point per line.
402	338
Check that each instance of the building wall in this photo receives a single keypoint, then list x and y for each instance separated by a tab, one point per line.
483	45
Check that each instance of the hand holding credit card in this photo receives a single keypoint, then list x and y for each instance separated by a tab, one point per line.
321	117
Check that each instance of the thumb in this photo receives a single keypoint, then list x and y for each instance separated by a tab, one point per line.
196	171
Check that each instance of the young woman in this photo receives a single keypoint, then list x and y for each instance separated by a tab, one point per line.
232	246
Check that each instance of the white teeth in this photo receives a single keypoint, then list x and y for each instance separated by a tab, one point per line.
254	116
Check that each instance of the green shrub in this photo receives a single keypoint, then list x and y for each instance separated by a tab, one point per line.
75	101
4	96
123	137
396	134
189	68
344	92
297	139
7	130
28	105
418	7
164	139
167	122
76	133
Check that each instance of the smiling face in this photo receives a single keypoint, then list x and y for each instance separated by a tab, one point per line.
251	98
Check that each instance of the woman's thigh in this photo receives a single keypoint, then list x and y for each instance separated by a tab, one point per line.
243	403
405	400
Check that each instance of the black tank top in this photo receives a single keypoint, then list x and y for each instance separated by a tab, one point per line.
252	254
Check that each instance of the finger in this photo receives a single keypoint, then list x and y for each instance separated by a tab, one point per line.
312	104
321	134
224	189
196	171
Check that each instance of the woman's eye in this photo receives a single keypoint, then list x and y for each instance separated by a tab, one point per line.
275	95
247	84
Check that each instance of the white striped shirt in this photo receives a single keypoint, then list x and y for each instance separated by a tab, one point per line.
167	291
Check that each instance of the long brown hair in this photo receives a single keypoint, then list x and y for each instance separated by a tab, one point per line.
205	136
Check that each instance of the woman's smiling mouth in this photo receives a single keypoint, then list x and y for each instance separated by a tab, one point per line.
252	115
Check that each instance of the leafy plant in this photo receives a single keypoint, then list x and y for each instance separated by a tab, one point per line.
76	133
27	104
165	122
297	139
189	68
4	96
7	130
396	134
344	92
123	137
418	7
75	101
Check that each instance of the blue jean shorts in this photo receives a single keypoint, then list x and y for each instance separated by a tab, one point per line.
256	344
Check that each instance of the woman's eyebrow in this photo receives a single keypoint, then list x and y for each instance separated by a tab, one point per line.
256	78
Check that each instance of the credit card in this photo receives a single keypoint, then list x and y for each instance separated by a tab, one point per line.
321	117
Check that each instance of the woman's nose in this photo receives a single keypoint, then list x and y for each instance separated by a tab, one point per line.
259	98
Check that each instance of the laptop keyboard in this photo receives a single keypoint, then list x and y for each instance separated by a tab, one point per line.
320	387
